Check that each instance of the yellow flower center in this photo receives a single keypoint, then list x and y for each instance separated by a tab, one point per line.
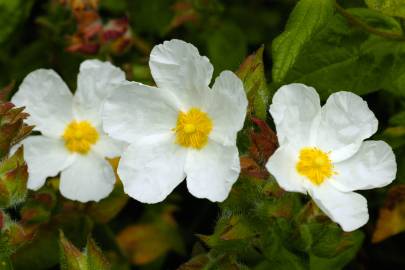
192	128
314	164
80	136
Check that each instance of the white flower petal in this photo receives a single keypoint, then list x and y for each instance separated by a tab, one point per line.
282	166
346	121
95	82
227	108
136	111
212	171
348	209
150	171
295	109
89	178
371	167
45	157
48	101
108	147
177	66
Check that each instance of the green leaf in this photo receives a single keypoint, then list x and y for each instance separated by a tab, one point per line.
95	257
42	252
13	179
5	264
226	46
328	246
12	237
154	237
308	17
70	257
251	72
388	7
12	13
141	11
108	208
345	58
280	257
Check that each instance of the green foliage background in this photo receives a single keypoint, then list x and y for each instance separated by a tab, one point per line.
352	45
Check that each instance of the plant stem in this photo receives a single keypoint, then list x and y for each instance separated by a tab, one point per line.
356	22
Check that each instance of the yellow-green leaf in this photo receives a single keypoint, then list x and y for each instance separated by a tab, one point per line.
251	72
306	19
388	7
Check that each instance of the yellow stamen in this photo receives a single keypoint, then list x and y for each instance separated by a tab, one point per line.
192	128
80	136
314	164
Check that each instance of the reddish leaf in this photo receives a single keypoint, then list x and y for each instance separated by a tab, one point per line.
264	142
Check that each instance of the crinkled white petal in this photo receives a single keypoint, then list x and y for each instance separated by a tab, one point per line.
177	66
295	110
345	122
348	209
226	106
136	111
48	101
282	165
89	178
45	157
212	171
150	171
372	166
95	82
109	147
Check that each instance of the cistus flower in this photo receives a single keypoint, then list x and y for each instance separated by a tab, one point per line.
181	128
322	151
72	140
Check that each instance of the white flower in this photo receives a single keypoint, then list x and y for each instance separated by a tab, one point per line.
72	140
179	128
322	151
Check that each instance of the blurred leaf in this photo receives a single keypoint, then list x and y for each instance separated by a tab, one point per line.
308	17
184	13
106	209
143	243
114	6
42	252
391	219
2	219
38	207
5	264
146	242
227	46
398	119
5	92
395	136
388	7
140	12
12	13
251	72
